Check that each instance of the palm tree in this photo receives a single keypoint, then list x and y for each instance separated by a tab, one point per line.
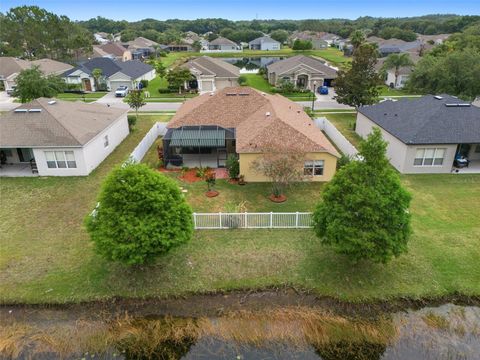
357	38
97	73
397	61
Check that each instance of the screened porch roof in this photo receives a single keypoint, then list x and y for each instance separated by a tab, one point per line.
199	136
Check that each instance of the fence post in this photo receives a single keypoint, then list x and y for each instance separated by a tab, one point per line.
220	217
194	220
246	217
296	220
271	219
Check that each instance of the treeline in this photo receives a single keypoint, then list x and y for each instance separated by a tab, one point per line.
171	30
31	32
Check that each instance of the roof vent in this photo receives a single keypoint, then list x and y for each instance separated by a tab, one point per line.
51	102
211	94
231	94
267	113
21	110
438	97
264	94
34	110
457	105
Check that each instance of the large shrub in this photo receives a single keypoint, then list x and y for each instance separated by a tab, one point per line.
141	215
364	213
233	166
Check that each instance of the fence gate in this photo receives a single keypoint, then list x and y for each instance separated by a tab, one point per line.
246	220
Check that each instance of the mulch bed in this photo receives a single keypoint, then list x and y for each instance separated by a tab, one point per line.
190	176
278	199
212	193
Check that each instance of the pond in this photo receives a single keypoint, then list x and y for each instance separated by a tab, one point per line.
252	64
443	332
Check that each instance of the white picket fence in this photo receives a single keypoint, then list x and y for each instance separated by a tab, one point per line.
246	220
336	136
139	152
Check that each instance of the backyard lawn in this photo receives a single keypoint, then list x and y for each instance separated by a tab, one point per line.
87	97
258	82
385	90
46	255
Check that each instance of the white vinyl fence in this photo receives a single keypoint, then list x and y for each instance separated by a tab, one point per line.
336	136
158	129
246	220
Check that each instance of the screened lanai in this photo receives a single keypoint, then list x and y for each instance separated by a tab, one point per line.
198	146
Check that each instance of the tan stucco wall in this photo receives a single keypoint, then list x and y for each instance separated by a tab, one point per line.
246	169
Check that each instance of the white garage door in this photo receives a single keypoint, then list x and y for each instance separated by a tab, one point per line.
207	86
114	84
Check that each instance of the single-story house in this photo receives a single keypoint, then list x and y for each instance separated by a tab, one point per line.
396	46
330	38
264	43
306	72
59	138
182	46
142	48
211	74
403	73
10	67
425	135
318	43
114	73
244	122
222	44
113	50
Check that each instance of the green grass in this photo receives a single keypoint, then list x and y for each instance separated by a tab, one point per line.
345	124
387	91
258	82
47	256
88	97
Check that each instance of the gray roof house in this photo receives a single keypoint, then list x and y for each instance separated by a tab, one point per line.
264	43
212	74
50	137
222	44
114	73
403	74
306	72
431	134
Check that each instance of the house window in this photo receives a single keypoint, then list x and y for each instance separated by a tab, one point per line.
60	159
313	168
105	141
429	157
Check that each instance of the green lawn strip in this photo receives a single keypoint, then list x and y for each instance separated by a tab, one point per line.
345	124
385	91
258	82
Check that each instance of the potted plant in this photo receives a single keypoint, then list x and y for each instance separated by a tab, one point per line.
210	179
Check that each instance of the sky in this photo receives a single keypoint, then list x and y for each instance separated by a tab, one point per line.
132	10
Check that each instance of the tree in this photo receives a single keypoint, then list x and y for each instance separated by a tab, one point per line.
302	45
364	209
280	35
281	166
32	84
177	77
397	61
97	74
357	38
233	166
135	99
141	215
197	46
358	85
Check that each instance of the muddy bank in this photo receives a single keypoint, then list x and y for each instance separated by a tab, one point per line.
220	303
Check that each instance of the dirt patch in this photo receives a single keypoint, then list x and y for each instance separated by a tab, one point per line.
190	176
219	303
212	193
278	199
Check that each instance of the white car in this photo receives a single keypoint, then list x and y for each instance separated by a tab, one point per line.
121	91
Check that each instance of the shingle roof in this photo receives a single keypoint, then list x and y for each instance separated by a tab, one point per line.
427	120
63	123
11	65
140	42
222	41
282	66
116	49
262	121
132	68
206	65
263	39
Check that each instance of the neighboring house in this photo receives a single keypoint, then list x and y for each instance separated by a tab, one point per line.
476	102
396	46
314	37
182	46
59	138
222	44
318	43
113	50
435	39
244	122
141	47
330	38
264	43
427	134
403	75
303	71
10	67
114	73
212	74
102	37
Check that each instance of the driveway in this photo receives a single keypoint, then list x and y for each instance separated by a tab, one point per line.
326	101
6	102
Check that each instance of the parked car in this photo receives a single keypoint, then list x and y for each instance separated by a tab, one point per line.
323	90
121	91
